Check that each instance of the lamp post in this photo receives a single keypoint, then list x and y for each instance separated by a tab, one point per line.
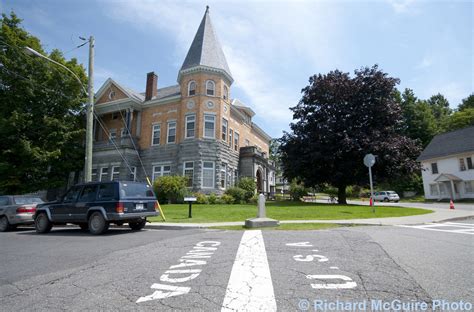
90	106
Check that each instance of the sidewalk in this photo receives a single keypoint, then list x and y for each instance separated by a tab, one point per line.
438	215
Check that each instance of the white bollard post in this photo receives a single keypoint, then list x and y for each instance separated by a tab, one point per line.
261	206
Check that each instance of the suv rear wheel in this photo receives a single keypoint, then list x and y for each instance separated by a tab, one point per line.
97	224
137	226
42	223
4	224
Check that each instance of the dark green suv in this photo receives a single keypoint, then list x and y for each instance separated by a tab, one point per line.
95	205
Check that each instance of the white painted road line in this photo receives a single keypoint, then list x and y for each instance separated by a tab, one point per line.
438	227
250	286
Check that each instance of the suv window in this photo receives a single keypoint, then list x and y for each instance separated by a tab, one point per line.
106	191
88	193
3	201
135	190
72	194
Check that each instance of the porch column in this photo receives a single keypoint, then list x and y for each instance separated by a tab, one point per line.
453	190
439	191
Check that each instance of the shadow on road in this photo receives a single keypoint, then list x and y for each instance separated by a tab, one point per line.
72	231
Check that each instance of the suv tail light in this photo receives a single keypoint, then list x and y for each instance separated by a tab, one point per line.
25	209
157	207
119	207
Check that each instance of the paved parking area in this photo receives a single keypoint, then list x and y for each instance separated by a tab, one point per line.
217	270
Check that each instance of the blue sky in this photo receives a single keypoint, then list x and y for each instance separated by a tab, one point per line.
272	47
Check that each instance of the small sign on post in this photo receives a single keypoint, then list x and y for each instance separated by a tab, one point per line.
369	161
190	201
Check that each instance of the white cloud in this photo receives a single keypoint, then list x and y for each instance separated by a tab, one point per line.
401	6
425	62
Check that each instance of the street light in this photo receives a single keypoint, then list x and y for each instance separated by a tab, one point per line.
90	105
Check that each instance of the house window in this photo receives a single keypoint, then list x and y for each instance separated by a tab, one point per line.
209	126
114	115
94	174
469	163
210	87
188	172
103	173
236	176
223	175
133	173
156	135
112	134
247	142
469	186
434	189
226	93
115	173
462	164
192	88
224	130
231	136
171	132
190	125
236	141
434	168
159	171
208	175
123	132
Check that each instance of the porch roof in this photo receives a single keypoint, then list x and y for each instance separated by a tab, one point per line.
446	177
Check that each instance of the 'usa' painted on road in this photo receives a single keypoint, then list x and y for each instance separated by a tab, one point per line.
183	272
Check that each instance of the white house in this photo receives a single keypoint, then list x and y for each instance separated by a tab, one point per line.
448	165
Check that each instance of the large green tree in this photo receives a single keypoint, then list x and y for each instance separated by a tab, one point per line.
467	103
340	119
441	111
461	119
41	124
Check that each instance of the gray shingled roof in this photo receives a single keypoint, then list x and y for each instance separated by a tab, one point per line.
166	92
206	49
450	143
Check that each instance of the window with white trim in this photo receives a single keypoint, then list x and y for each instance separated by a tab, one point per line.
236	176
231	136
469	186
236	141
192	88
434	190
155	136
188	172
112	134
469	163
462	164
434	168
209	126
104	171
247	142
224	129
210	87
171	132
226	92
208	174
223	175
115	173
133	173
159	171
190	125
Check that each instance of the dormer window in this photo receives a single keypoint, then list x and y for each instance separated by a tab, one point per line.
210	87
226	93
192	88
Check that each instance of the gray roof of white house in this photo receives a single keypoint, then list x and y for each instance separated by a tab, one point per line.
205	49
449	143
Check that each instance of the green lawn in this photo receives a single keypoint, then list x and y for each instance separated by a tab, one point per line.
281	211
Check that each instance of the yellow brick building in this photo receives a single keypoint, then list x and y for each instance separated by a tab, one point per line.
193	128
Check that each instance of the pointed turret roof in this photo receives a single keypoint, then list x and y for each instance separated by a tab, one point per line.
206	50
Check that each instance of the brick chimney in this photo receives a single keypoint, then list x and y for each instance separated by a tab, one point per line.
151	86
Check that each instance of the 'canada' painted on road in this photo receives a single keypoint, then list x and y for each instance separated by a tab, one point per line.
187	269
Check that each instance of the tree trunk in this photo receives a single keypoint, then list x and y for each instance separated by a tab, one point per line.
341	195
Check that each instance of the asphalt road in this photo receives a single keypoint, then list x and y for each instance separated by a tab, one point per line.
213	270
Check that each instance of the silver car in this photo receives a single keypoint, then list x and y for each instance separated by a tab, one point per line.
16	210
386	196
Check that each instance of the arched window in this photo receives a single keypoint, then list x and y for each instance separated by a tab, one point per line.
226	93
192	88
210	86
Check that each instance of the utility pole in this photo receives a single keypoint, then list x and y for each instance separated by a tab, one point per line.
90	114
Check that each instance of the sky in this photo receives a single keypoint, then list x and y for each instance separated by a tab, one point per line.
272	47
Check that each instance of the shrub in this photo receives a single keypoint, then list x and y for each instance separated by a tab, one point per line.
212	199
201	198
227	199
170	189
249	186
253	199
237	193
297	191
